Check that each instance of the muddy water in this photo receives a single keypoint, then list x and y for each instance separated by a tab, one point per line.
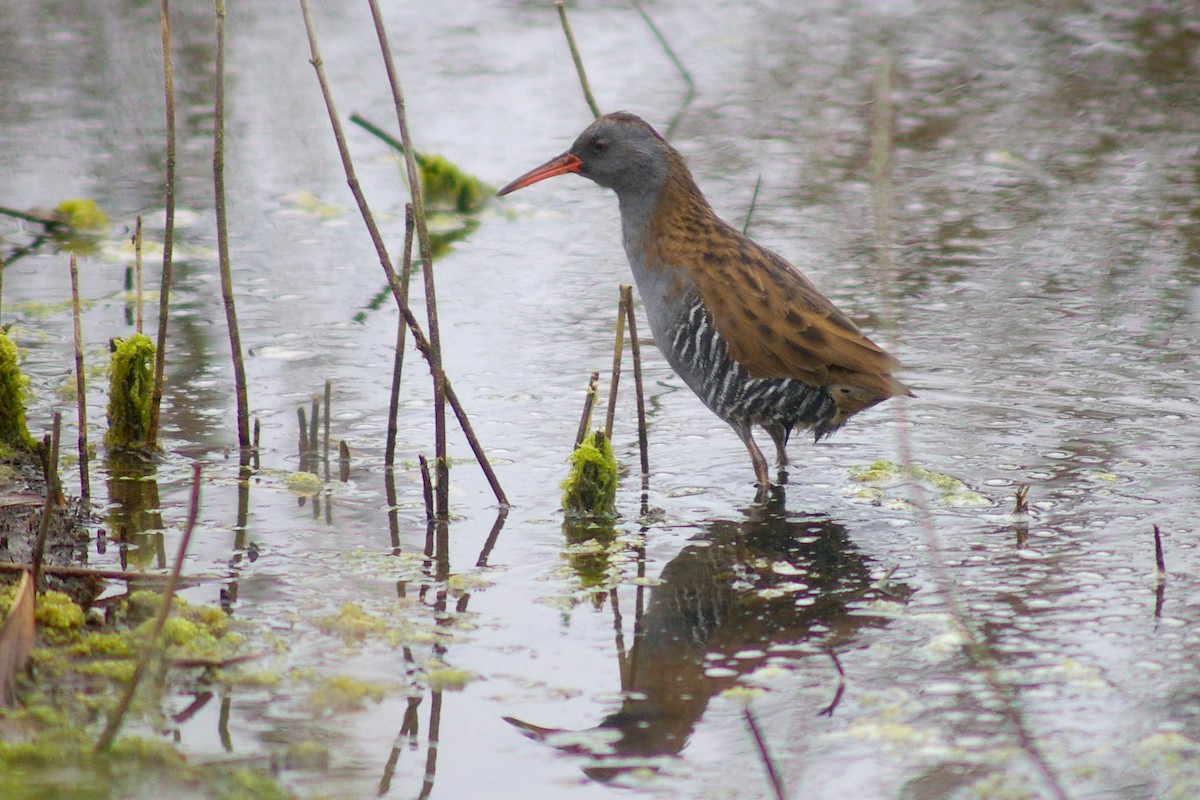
1044	298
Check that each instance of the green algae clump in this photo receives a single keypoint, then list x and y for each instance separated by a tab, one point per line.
590	488
446	185
82	214
131	385
14	435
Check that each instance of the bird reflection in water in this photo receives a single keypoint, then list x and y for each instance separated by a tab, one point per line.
771	582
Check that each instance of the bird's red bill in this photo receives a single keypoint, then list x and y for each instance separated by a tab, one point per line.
558	165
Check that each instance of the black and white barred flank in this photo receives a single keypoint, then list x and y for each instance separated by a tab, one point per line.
701	357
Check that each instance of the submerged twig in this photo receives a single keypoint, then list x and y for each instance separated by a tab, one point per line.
635	350
1021	500
160	352
27	216
583	81
422	343
235	338
85	490
117	716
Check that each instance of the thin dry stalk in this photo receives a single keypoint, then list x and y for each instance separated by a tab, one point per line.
671	54
160	353
328	411
314	425
85	489
976	648
257	441
235	338
302	419
117	716
422	343
585	420
583	81
635	350
441	462
426	488
753	204
53	491
389	457
137	274
618	351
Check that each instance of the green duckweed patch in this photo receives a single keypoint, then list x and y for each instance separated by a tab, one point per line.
343	694
878	477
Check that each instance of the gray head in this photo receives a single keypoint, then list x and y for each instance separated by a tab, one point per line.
619	151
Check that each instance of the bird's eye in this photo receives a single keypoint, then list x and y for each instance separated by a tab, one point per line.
599	144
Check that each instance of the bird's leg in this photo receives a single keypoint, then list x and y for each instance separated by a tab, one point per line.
779	435
756	457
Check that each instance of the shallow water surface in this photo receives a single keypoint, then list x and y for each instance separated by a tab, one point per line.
1045	299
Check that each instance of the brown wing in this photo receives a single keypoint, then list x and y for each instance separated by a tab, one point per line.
775	321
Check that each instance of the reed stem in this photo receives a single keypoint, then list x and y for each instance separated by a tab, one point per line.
441	462
160	352
583	80
635	350
85	490
235	339
422	342
618	350
585	420
389	458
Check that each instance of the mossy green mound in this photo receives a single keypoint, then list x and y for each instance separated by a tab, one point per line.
447	186
14	435
590	489
131	386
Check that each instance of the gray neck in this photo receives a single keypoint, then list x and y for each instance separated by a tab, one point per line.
657	283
